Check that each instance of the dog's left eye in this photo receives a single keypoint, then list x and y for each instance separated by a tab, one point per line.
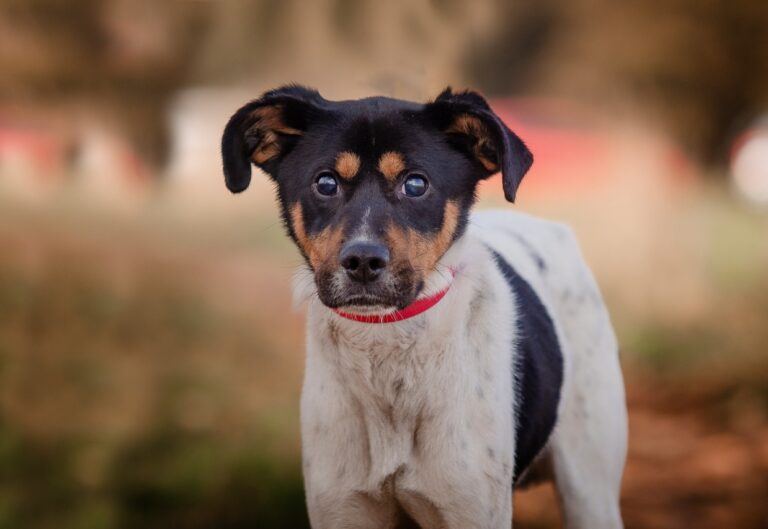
326	184
415	185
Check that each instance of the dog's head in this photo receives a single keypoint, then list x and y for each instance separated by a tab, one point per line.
373	191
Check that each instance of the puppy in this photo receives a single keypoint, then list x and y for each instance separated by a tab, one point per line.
450	357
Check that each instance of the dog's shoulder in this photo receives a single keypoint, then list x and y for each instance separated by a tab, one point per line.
544	252
548	256
525	240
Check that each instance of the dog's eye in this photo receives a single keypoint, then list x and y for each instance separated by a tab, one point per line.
326	184
415	185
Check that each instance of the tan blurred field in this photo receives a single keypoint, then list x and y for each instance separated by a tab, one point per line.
150	357
150	363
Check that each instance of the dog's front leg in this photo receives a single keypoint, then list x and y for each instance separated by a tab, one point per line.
337	457
428	496
451	478
459	481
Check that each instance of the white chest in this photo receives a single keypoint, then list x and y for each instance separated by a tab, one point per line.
391	412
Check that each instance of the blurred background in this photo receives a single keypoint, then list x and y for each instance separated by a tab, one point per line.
150	360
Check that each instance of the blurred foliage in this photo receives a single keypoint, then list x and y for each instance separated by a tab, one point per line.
123	59
75	454
164	478
172	479
700	66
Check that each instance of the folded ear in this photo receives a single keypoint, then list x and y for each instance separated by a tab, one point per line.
471	126
264	130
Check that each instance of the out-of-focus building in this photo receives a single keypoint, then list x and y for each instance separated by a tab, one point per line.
41	153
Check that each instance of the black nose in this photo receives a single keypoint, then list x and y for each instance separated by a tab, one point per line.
364	261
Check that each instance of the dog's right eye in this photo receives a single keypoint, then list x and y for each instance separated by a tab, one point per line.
326	184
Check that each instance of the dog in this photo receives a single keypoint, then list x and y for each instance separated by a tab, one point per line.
451	357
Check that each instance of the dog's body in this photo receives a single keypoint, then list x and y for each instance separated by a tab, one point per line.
509	374
420	415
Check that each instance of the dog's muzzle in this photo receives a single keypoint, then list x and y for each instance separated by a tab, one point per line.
365	277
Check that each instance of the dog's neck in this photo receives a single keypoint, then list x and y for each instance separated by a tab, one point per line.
388	367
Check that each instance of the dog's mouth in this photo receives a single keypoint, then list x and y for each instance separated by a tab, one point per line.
390	295
364	300
370	302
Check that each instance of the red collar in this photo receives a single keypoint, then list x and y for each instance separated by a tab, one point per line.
414	309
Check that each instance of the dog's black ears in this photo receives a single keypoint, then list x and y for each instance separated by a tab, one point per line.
473	127
264	130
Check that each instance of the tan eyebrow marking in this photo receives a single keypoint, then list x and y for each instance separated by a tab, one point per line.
347	165
391	164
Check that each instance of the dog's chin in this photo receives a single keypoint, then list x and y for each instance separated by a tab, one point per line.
366	302
366	306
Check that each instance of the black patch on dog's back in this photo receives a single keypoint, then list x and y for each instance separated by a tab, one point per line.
539	370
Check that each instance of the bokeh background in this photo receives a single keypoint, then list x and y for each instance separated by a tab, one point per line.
150	359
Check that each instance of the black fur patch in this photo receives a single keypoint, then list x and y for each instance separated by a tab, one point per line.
539	370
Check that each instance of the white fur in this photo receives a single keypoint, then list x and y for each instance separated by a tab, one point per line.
418	416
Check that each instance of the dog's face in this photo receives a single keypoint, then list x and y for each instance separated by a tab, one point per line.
372	191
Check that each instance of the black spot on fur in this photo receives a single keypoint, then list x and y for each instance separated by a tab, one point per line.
539	370
415	442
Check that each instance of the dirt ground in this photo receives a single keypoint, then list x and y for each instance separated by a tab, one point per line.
698	457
